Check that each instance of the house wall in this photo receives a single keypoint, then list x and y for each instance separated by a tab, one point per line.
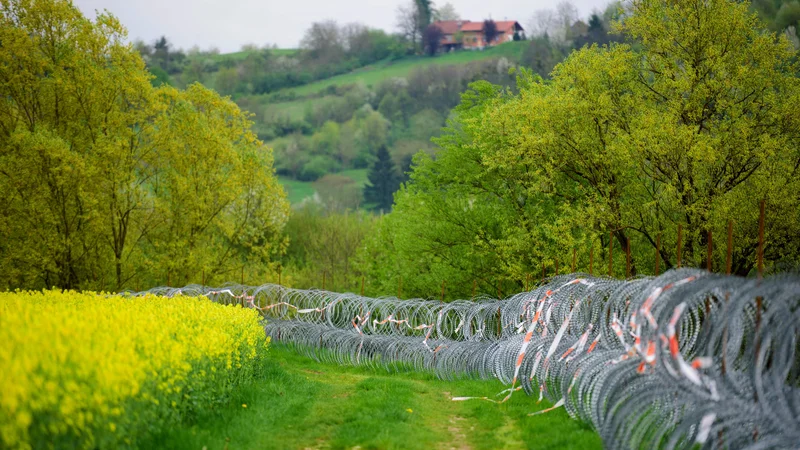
474	39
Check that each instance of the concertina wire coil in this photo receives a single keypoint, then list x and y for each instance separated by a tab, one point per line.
684	359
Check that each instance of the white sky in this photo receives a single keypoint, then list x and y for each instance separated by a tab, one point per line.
228	24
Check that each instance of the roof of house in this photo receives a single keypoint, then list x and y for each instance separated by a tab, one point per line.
503	26
450	26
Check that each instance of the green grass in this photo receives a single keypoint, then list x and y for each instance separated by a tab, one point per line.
300	403
297	191
373	74
357	175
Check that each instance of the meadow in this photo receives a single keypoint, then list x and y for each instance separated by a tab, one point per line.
297	191
373	74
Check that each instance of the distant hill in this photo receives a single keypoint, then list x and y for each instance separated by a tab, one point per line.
373	74
327	108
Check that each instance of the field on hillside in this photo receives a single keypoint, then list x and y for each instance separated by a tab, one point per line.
374	74
301	403
297	191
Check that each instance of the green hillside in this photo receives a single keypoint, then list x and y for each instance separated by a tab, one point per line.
327	109
373	74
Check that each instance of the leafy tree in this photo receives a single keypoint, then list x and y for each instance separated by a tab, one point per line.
446	12
221	205
541	56
490	31
323	42
383	181
325	241
432	39
227	81
372	134
408	22
326	140
119	182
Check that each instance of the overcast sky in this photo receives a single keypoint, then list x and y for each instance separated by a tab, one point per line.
228	24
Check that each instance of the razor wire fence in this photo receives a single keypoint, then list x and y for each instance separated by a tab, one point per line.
683	359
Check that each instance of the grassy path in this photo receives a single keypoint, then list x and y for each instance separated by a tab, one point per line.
301	403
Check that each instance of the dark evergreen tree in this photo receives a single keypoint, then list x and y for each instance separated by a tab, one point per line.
432	40
383	182
597	32
490	31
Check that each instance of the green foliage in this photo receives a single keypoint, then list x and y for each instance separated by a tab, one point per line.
693	129
316	167
778	14
322	239
109	182
383	182
541	56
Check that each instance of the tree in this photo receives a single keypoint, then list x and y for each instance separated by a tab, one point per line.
383	182
221	204
413	19
490	31
323	42
117	183
446	12
541	56
325	242
425	12
595	33
408	22
367	45
543	22
432	39
566	15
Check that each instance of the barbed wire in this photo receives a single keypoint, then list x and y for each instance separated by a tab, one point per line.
685	358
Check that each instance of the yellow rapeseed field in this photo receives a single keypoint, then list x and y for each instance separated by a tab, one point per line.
93	370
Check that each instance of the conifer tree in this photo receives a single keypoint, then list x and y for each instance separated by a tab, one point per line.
383	181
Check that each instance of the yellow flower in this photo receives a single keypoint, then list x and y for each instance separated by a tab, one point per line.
80	358
244	405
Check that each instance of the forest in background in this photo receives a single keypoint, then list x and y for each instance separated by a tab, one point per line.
349	90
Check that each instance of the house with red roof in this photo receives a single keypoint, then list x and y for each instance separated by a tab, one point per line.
466	34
